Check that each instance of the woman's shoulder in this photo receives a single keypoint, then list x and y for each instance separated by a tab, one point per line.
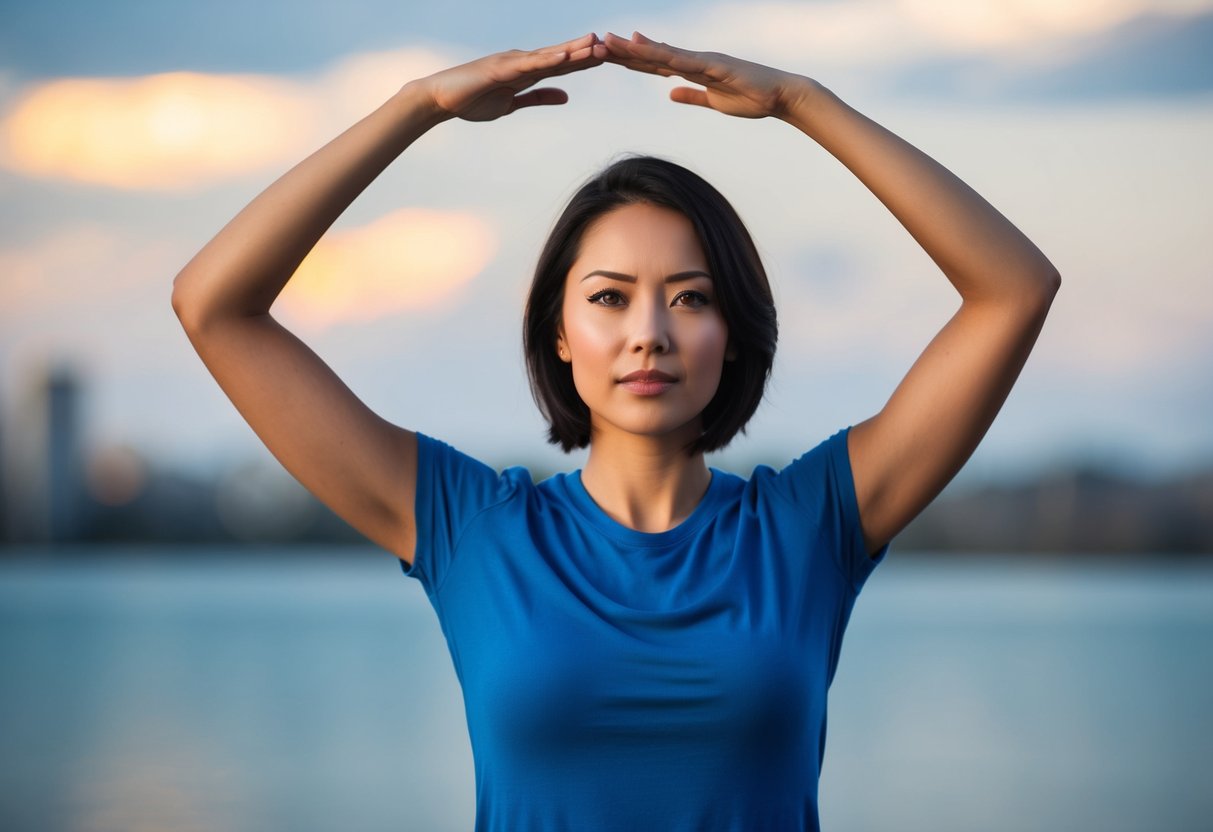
443	468
808	476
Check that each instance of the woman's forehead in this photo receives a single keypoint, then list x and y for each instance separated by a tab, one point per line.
641	237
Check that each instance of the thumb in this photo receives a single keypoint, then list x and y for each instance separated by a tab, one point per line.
690	95
541	96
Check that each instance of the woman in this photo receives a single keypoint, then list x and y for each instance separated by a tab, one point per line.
646	643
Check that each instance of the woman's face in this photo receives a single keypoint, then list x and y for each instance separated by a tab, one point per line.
641	326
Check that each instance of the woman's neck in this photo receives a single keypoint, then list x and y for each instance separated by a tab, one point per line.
645	484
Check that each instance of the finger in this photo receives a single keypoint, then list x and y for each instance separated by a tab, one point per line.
523	69
571	45
689	95
534	66
539	61
638	44
684	62
640	64
540	97
564	69
522	80
583	52
661	69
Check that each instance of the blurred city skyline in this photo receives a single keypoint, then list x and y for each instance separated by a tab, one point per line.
78	500
130	135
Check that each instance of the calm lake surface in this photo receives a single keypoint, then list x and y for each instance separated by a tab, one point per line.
240	690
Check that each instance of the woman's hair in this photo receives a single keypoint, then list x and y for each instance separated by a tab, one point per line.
740	283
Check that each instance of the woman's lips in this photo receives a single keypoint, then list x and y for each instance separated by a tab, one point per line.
647	382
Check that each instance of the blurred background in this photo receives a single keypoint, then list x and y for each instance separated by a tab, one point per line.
191	642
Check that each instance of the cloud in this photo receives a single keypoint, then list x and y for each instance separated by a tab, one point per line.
184	130
409	259
358	84
90	289
168	131
981	24
796	35
1149	56
941	42
72	264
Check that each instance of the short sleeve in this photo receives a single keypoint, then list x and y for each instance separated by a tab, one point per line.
821	481
452	489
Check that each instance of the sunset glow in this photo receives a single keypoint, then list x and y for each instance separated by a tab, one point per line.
1086	122
978	23
409	259
871	33
167	131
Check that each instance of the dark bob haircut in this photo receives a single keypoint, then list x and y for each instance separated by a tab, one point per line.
740	282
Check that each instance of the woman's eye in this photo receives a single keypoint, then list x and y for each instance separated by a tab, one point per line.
606	297
690	298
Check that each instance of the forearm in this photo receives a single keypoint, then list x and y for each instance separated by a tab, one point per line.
243	269
977	248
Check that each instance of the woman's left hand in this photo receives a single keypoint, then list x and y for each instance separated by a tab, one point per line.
730	85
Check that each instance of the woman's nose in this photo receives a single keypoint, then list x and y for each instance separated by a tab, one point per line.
650	329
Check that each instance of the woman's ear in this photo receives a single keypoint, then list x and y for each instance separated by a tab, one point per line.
562	348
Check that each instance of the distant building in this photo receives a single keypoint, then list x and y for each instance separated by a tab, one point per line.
42	493
5	530
64	455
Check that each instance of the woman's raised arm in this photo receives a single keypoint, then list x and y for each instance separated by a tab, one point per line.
903	456
359	465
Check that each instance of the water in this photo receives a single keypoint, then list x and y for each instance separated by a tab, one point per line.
293	692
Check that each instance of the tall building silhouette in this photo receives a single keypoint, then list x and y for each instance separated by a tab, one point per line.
64	455
44	497
5	506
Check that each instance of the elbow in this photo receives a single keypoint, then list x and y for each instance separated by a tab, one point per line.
1044	288
1052	282
1032	296
180	307
183	305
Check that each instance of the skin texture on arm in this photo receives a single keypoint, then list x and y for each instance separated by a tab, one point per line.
904	455
358	464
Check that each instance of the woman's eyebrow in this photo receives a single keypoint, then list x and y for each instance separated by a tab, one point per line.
631	278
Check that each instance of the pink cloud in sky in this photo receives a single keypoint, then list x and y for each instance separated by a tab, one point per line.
408	259
183	130
165	132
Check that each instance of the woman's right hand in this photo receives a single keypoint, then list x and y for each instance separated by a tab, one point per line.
492	87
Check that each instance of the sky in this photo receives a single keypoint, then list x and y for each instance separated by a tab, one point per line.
131	132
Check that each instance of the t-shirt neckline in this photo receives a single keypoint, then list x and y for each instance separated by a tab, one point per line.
612	528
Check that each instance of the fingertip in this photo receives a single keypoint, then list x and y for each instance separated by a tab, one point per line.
544	96
689	95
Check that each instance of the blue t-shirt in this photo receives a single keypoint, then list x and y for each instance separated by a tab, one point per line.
621	680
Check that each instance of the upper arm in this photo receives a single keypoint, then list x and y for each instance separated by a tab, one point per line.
359	465
903	456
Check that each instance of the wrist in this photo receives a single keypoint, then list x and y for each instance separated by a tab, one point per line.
802	101
417	98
